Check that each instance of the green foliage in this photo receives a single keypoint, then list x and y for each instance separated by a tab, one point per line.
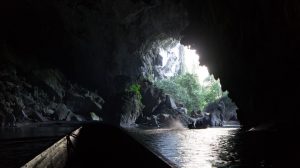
187	90
135	89
211	91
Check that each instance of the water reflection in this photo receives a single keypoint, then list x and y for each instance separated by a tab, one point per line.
192	148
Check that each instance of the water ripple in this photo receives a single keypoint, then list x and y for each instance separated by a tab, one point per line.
191	148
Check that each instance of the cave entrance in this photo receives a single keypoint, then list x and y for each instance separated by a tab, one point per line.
190	86
181	94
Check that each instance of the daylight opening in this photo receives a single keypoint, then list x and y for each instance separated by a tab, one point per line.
191	88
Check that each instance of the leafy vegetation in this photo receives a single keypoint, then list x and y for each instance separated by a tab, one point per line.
135	89
187	90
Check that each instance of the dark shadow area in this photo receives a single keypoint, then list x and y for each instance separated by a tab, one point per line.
260	149
18	145
252	46
15	153
99	145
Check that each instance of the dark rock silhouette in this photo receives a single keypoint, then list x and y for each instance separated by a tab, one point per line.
43	96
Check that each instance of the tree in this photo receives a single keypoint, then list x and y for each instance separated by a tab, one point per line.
186	89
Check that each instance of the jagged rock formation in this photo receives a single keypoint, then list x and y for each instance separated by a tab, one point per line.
160	110
221	110
216	113
131	109
154	59
43	95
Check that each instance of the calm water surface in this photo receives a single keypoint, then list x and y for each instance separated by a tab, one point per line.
212	147
18	145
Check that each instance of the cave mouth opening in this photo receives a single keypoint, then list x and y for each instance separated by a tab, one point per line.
179	74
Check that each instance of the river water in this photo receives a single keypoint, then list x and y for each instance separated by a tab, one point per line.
186	148
222	147
18	145
191	148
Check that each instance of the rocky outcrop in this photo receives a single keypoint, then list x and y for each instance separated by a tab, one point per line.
43	95
215	114
221	110
201	122
151	97
160	110
131	109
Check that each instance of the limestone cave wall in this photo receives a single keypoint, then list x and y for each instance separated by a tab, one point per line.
100	44
104	44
